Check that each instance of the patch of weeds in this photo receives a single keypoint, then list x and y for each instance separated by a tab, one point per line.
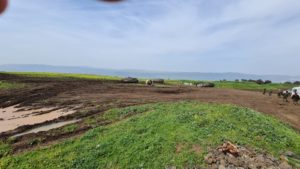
35	141
4	149
70	128
91	121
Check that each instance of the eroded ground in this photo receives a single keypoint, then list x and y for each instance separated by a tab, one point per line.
46	101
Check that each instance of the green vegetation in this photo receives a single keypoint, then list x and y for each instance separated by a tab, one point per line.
252	85
4	149
237	85
64	75
161	135
70	128
9	85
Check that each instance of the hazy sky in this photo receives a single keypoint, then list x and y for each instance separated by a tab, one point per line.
247	36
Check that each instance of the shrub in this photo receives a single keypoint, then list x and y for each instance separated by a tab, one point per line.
297	83
259	81
268	82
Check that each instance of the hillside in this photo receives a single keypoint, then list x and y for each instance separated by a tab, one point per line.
149	136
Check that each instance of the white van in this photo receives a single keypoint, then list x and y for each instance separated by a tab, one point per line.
296	89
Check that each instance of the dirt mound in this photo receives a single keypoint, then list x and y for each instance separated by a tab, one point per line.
229	156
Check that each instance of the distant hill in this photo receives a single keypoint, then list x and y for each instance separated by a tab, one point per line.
144	74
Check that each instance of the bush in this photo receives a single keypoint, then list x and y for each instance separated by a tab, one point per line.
209	84
268	82
287	82
297	83
259	81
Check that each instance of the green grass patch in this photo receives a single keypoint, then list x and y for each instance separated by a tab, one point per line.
9	85
252	85
70	128
63	75
237	85
150	137
4	149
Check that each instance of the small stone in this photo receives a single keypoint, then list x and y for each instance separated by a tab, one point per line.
233	160
222	167
222	162
231	167
283	158
171	167
285	165
289	154
208	160
252	166
214	166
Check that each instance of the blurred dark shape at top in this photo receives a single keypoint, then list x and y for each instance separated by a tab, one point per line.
3	5
112	1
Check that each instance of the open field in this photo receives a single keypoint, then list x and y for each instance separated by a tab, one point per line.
97	102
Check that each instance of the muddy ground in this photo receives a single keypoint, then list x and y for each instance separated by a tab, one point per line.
92	97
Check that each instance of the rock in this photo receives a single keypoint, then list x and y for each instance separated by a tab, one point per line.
233	160
231	167
283	158
222	162
246	159
214	166
222	167
289	154
208	159
171	167
228	147
285	165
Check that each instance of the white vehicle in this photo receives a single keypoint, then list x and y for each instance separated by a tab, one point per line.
296	89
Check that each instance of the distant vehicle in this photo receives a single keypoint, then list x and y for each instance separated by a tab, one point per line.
295	89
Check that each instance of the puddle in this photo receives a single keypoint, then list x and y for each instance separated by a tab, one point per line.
13	117
46	127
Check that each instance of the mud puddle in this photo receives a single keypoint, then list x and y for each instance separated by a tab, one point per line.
13	117
46	127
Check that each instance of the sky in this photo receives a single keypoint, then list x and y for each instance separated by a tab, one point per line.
245	36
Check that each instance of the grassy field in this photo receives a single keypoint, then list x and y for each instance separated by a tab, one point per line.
63	75
252	85
148	136
238	85
7	85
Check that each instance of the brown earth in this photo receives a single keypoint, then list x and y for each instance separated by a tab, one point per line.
92	97
245	158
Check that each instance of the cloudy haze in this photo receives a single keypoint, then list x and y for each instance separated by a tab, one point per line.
246	36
